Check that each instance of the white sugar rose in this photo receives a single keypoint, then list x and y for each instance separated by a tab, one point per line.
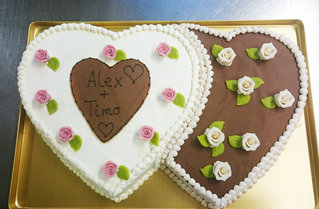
250	142
284	99
245	85
226	56
215	136
267	51
221	170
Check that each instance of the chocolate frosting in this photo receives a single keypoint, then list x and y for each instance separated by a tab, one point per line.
278	74
108	97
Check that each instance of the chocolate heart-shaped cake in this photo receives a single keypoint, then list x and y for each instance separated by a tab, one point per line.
257	99
108	103
109	96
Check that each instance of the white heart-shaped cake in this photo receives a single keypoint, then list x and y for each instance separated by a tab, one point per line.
257	98
108	103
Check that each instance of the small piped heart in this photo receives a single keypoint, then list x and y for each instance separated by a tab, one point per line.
133	72
108	97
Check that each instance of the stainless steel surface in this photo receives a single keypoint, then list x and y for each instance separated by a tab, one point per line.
15	17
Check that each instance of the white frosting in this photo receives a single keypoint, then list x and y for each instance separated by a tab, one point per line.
285	99
268	51
226	56
201	194
221	170
250	142
214	136
71	43
245	85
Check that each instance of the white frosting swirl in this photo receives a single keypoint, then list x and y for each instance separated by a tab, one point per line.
284	99
221	170
245	85
215	136
226	56
250	142
267	51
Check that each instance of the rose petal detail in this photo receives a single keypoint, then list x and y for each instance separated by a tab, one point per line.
250	142
66	134
214	136
284	99
41	55
226	56
163	49
245	85
169	94
42	96
146	132
267	51
109	51
222	170
110	169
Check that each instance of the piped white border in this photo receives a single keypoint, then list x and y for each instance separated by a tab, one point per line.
201	73
187	183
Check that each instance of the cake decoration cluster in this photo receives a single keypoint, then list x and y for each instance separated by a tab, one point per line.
221	171
282	99
266	52
244	87
248	141
66	134
170	95
214	138
43	97
42	56
110	168
149	134
110	52
163	49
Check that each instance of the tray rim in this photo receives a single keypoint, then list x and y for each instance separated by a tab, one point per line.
308	110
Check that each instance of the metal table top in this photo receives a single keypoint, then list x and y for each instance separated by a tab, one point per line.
15	17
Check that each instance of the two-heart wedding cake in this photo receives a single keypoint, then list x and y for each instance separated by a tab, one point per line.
114	106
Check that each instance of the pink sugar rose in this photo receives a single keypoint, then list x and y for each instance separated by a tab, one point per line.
169	94
146	132
109	51
41	55
110	169
42	97
66	134
163	49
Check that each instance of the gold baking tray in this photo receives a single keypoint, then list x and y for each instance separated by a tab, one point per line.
40	180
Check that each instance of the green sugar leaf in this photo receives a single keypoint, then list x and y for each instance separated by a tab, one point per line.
54	63
173	53
242	99
179	100
207	171
155	139
216	49
258	82
123	172
203	140
52	106
269	102
217	124
235	141
216	151
76	143
232	85
120	55
253	53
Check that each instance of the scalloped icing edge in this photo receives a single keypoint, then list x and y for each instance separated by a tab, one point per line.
203	77
183	179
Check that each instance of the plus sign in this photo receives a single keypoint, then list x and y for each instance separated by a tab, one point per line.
104	94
